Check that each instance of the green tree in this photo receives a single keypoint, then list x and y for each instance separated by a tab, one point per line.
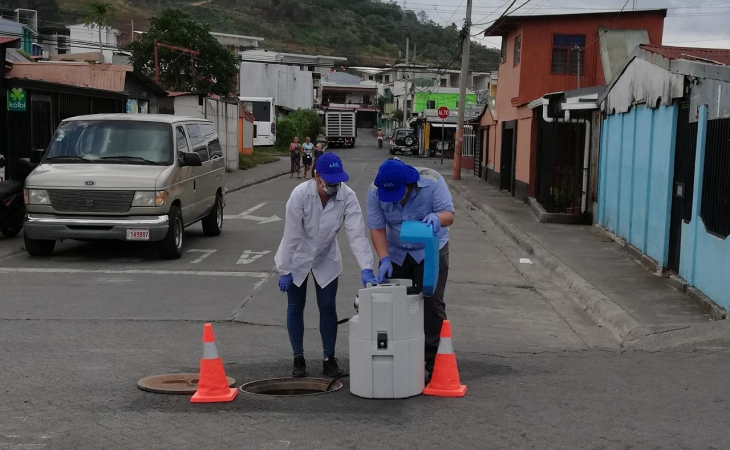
98	15
213	70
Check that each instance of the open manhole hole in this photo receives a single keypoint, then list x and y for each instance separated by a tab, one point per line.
285	387
174	383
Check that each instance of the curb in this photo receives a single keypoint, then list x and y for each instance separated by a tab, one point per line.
255	182
598	305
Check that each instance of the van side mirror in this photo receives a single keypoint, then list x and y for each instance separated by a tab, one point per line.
189	159
36	156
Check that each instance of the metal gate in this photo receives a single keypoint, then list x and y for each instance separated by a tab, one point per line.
683	186
467	149
478	153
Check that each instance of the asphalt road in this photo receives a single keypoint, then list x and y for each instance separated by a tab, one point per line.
78	329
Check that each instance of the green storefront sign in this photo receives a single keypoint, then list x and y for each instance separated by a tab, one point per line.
17	100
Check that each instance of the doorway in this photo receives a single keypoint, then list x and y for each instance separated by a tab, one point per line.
683	186
507	159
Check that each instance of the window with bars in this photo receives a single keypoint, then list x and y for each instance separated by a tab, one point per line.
503	51
567	51
518	51
715	207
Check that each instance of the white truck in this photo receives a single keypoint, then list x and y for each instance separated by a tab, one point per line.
341	127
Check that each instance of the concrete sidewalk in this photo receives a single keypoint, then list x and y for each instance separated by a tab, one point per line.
235	181
609	283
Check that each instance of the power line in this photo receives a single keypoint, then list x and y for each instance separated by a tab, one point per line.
607	28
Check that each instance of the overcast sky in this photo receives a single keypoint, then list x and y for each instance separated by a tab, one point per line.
689	23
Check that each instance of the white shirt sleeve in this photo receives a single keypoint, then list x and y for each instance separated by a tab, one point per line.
355	229
293	230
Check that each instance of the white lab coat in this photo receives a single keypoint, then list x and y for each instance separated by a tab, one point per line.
310	234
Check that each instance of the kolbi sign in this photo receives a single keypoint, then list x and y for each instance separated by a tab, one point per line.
17	100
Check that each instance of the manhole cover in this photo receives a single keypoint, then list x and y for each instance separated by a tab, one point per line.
174	383
284	387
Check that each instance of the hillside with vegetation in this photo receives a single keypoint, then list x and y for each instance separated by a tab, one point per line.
367	32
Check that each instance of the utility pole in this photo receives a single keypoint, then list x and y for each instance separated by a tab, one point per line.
406	114
463	81
131	36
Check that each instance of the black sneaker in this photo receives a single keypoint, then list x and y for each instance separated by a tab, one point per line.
330	368
300	367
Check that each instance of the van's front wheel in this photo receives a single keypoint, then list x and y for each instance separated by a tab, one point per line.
171	247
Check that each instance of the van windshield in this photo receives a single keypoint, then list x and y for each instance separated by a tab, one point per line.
111	142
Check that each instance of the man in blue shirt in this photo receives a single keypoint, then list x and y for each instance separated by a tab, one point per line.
399	193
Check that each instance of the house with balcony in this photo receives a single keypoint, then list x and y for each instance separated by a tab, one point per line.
528	136
341	90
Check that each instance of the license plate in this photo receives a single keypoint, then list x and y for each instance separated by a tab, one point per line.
138	234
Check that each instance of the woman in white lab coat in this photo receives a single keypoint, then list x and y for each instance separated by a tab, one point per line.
315	212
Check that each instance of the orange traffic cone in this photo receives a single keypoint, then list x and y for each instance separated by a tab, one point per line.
445	376
212	383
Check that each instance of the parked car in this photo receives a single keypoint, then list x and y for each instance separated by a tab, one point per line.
404	141
126	177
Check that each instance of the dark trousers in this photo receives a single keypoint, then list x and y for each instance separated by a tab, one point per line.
434	306
326	300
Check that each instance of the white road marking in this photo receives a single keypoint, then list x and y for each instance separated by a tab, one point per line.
205	253
525	261
249	256
11	270
246	215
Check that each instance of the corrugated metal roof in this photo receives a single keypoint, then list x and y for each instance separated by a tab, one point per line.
712	55
105	77
617	45
506	23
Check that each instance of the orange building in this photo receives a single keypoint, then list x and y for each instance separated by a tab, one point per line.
545	54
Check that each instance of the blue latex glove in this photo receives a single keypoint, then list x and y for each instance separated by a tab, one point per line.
285	281
385	270
367	276
434	220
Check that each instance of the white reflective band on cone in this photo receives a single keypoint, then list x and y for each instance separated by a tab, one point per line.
445	347
210	351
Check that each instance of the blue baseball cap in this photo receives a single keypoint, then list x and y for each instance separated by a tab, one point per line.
329	167
393	176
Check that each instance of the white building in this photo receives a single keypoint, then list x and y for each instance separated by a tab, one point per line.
293	80
235	42
84	39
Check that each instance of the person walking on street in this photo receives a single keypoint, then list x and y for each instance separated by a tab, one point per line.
314	214
401	192
318	151
295	149
380	139
307	148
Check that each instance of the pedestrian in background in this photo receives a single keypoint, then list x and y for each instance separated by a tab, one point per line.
307	148
295	149
315	212
401	192
318	151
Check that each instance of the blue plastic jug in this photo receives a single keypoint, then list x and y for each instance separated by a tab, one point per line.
421	233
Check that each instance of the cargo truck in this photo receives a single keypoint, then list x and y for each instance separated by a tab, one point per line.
341	127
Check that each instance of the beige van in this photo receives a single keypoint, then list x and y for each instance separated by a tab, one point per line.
132	177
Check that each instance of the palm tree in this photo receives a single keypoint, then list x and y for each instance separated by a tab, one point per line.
98	15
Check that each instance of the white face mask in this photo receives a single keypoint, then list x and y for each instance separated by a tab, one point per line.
330	189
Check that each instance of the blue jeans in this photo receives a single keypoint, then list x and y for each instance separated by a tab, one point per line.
327	316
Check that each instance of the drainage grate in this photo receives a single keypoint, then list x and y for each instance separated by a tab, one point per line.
285	387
